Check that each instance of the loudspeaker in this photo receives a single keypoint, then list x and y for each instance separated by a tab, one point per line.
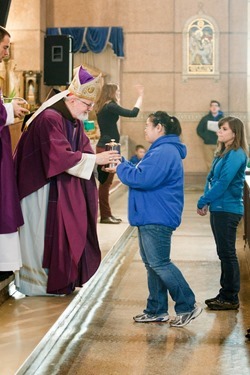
58	60
4	11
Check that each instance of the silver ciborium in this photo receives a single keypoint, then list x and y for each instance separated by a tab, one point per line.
112	146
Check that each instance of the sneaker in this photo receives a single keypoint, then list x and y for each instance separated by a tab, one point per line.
147	318
184	319
207	301
223	305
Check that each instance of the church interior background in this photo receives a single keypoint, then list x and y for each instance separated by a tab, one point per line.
184	53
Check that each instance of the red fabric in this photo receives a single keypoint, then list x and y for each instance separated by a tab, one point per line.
51	145
106	180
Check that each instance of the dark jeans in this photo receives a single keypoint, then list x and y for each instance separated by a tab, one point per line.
224	226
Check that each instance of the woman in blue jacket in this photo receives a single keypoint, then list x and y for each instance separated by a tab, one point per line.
155	207
224	196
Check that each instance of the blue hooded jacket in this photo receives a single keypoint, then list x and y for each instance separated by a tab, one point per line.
225	183
156	191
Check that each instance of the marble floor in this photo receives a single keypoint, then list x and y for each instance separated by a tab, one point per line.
92	332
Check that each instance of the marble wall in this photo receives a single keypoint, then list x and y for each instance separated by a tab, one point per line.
154	52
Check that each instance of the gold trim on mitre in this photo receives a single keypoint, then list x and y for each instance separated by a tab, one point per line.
89	90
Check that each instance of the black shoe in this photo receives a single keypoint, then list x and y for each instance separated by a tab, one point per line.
110	220
207	301
5	275
116	218
248	334
223	305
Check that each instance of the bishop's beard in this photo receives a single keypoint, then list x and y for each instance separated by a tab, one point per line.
83	116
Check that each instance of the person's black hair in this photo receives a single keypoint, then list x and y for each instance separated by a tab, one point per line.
171	124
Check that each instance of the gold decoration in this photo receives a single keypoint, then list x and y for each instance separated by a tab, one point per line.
89	90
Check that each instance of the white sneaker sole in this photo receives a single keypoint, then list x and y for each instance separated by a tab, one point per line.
148	320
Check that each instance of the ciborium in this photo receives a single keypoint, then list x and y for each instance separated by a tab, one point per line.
112	146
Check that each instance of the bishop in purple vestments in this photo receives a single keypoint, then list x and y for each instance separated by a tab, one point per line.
54	162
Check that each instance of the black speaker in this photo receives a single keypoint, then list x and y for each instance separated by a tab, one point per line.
4	11
58	60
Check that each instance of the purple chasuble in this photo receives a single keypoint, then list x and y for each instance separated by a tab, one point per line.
10	210
52	144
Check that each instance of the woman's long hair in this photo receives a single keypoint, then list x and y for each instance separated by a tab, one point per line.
108	94
240	139
171	124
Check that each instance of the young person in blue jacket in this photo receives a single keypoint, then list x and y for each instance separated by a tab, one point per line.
156	198
139	154
223	195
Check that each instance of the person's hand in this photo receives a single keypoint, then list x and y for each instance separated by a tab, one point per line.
18	107
109	170
115	162
202	211
106	157
140	89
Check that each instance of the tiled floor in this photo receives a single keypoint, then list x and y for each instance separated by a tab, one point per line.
102	338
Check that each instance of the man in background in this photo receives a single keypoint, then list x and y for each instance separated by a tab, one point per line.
207	130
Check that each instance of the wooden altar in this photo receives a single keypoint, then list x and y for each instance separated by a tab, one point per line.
15	132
